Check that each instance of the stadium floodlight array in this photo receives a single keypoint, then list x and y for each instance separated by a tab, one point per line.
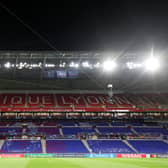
152	64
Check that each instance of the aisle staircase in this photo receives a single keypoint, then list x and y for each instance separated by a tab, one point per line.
43	143
86	145
128	144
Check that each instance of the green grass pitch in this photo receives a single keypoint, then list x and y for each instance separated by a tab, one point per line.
82	163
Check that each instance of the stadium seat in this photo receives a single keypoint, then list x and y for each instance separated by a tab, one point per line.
150	146
65	146
21	146
109	146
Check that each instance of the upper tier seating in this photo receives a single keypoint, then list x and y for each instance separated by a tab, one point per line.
81	100
65	146
77	130
151	130
117	124
100	123
47	131
3	123
126	124
149	146
21	146
114	130
93	123
50	123
109	146
66	123
10	130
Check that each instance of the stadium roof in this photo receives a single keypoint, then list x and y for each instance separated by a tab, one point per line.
15	75
7	54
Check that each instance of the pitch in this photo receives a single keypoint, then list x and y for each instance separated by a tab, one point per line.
83	163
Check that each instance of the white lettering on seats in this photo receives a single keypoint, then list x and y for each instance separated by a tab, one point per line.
47	100
33	100
93	100
16	100
76	100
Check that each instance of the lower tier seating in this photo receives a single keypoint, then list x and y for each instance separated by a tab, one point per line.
22	146
149	146
76	146
109	146
65	146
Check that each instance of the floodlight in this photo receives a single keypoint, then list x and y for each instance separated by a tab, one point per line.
7	65
152	64
74	65
109	86
109	65
48	65
62	64
85	64
132	65
97	65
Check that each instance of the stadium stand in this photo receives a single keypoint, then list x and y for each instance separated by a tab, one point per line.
109	146
11	130
86	134
78	130
128	101
115	130
21	146
65	146
150	146
151	130
80	138
47	131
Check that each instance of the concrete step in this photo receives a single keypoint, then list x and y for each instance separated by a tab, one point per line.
1	143
128	144
43	143
61	132
85	143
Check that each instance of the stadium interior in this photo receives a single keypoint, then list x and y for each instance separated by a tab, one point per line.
66	104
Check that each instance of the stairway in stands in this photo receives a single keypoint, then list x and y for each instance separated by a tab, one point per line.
43	143
61	132
128	144
86	145
1	143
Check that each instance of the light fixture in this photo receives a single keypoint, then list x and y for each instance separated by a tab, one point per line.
7	65
132	65
73	65
152	64
109	65
86	64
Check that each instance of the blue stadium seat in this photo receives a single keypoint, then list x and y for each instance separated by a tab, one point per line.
65	146
21	146
150	146
109	146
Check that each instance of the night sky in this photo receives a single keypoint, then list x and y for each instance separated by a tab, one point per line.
84	25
